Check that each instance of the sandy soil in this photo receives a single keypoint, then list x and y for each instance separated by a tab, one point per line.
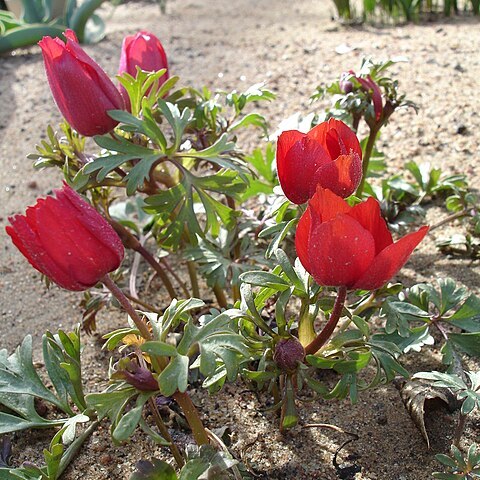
292	47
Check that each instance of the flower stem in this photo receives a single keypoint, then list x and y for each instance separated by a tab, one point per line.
366	158
327	331
449	219
192	272
123	300
74	447
165	434
220	296
193	418
158	268
306	332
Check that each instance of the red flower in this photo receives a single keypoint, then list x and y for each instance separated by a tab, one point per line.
328	155
67	240
81	89
348	246
142	50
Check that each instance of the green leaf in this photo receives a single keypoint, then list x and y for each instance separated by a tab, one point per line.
19	377
468	316
110	403
154	470
159	348
175	376
264	279
467	342
178	121
416	339
129	421
284	262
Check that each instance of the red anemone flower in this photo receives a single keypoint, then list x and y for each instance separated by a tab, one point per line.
348	246
67	240
81	89
329	155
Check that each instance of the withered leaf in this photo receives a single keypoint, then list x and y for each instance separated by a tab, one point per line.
417	396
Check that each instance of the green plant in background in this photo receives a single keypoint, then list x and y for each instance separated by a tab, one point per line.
405	10
38	20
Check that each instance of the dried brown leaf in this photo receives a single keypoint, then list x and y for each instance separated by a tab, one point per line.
417	396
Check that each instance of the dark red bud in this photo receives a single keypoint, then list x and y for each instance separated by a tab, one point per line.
288	352
140	377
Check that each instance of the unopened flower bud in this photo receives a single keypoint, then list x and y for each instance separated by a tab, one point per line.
346	85
140	377
288	352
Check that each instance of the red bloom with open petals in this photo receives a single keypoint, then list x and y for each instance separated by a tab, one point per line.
81	89
67	240
329	155
348	246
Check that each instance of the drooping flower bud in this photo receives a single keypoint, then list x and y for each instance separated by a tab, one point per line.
141	378
288	352
67	240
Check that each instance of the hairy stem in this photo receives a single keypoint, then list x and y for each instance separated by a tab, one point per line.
366	158
74	447
449	219
165	434
123	300
132	242
159	269
327	331
170	270
193	418
220	296
192	272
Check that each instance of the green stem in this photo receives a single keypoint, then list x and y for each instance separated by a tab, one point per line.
192	416
165	434
366	158
327	331
192	272
74	447
220	296
306	331
123	300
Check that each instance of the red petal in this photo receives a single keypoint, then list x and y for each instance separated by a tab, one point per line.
296	165
337	137
26	240
146	51
325	205
70	35
81	89
302	235
371	87
390	261
340	251
96	225
341	176
368	214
